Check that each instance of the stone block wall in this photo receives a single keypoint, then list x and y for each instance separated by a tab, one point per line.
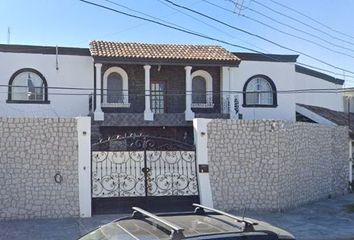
275	165
32	150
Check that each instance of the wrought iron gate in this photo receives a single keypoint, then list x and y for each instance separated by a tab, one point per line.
139	170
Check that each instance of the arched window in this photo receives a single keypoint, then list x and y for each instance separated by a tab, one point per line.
199	90
114	88
202	89
27	85
259	91
115	85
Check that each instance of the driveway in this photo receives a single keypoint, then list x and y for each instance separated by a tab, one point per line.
326	219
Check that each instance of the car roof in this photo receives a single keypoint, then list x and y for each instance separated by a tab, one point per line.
198	225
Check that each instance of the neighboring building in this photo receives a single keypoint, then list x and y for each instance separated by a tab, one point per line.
44	67
277	73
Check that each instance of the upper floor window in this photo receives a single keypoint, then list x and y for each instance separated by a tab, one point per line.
259	91
202	89
27	86
115	88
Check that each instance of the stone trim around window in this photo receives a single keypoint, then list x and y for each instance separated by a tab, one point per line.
124	75
209	89
12	78
274	90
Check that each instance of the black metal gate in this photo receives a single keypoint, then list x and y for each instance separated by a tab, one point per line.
155	173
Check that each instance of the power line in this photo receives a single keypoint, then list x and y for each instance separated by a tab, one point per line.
257	36
78	90
182	30
147	15
303	23
290	26
209	25
312	19
278	30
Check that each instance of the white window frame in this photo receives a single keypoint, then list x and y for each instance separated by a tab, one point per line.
124	75
209	89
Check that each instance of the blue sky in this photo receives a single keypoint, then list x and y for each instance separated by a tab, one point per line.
73	23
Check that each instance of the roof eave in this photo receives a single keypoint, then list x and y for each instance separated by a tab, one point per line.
166	61
313	73
263	57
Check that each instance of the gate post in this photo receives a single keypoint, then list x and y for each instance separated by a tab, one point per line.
201	140
84	155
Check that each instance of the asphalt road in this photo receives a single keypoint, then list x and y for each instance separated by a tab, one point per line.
322	220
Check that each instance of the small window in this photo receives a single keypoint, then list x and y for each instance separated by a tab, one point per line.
259	91
27	86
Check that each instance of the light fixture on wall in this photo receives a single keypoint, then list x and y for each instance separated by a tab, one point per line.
159	67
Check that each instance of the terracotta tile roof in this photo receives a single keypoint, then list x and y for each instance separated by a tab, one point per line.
160	51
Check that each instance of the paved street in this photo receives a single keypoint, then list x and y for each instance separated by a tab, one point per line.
326	219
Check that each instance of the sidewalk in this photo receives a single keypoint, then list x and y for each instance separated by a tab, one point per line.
323	220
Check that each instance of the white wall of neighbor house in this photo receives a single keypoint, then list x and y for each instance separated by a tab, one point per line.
285	78
281	75
328	100
73	71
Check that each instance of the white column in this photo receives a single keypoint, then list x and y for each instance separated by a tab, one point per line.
189	115
84	156
148	114
98	114
201	143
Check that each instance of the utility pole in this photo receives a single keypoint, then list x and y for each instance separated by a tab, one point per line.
8	35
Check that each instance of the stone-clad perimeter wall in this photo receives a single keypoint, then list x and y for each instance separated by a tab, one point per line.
274	165
32	150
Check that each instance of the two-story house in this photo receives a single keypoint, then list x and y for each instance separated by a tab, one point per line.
156	88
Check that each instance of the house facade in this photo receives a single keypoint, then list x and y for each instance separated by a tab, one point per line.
142	100
150	87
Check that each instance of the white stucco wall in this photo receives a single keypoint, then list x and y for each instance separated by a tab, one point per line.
332	101
285	78
74	71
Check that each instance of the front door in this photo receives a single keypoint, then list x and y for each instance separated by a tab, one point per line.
158	90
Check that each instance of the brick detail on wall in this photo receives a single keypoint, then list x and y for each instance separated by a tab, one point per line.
275	165
32	150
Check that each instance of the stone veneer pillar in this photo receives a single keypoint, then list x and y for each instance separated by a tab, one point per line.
148	114
98	114
189	115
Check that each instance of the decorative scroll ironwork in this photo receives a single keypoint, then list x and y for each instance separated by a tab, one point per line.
143	166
